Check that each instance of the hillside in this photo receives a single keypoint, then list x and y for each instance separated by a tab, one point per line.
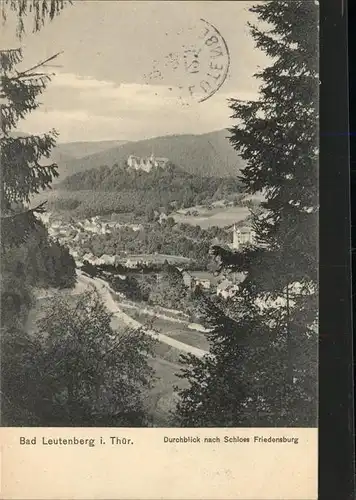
119	189
65	152
76	150
205	155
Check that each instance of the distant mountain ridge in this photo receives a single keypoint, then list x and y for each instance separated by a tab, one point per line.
82	149
206	155
65	152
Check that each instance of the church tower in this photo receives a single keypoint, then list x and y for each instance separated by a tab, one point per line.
236	238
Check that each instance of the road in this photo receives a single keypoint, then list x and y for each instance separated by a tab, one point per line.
104	292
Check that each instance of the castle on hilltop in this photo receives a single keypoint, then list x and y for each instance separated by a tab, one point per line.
146	164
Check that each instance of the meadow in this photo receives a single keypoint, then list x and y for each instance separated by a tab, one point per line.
219	216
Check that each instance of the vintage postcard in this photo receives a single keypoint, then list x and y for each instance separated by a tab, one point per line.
159	249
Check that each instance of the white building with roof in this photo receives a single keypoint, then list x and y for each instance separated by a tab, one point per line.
108	259
191	280
88	257
146	164
242	236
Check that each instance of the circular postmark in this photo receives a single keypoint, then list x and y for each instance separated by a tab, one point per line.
197	67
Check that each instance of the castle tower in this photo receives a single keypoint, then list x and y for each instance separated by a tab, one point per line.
130	161
153	160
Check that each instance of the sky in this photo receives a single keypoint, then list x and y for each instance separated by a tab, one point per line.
101	89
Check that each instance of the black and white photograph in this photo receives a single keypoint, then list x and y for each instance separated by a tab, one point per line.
159	213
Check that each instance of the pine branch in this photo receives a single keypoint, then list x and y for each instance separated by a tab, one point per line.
16	228
38	65
39	10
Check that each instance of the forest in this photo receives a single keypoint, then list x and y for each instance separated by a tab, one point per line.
167	238
156	285
119	189
52	374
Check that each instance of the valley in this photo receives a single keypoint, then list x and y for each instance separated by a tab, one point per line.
140	231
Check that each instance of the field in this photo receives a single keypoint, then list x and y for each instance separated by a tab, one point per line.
218	216
175	330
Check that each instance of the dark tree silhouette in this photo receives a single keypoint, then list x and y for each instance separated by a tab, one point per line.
265	366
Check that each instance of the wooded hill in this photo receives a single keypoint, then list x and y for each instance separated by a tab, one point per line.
138	191
206	154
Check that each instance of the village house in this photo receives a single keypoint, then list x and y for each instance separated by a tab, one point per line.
226	289
187	279
132	263
191	281
135	227
55	225
204	283
45	217
108	259
95	226
88	257
162	217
